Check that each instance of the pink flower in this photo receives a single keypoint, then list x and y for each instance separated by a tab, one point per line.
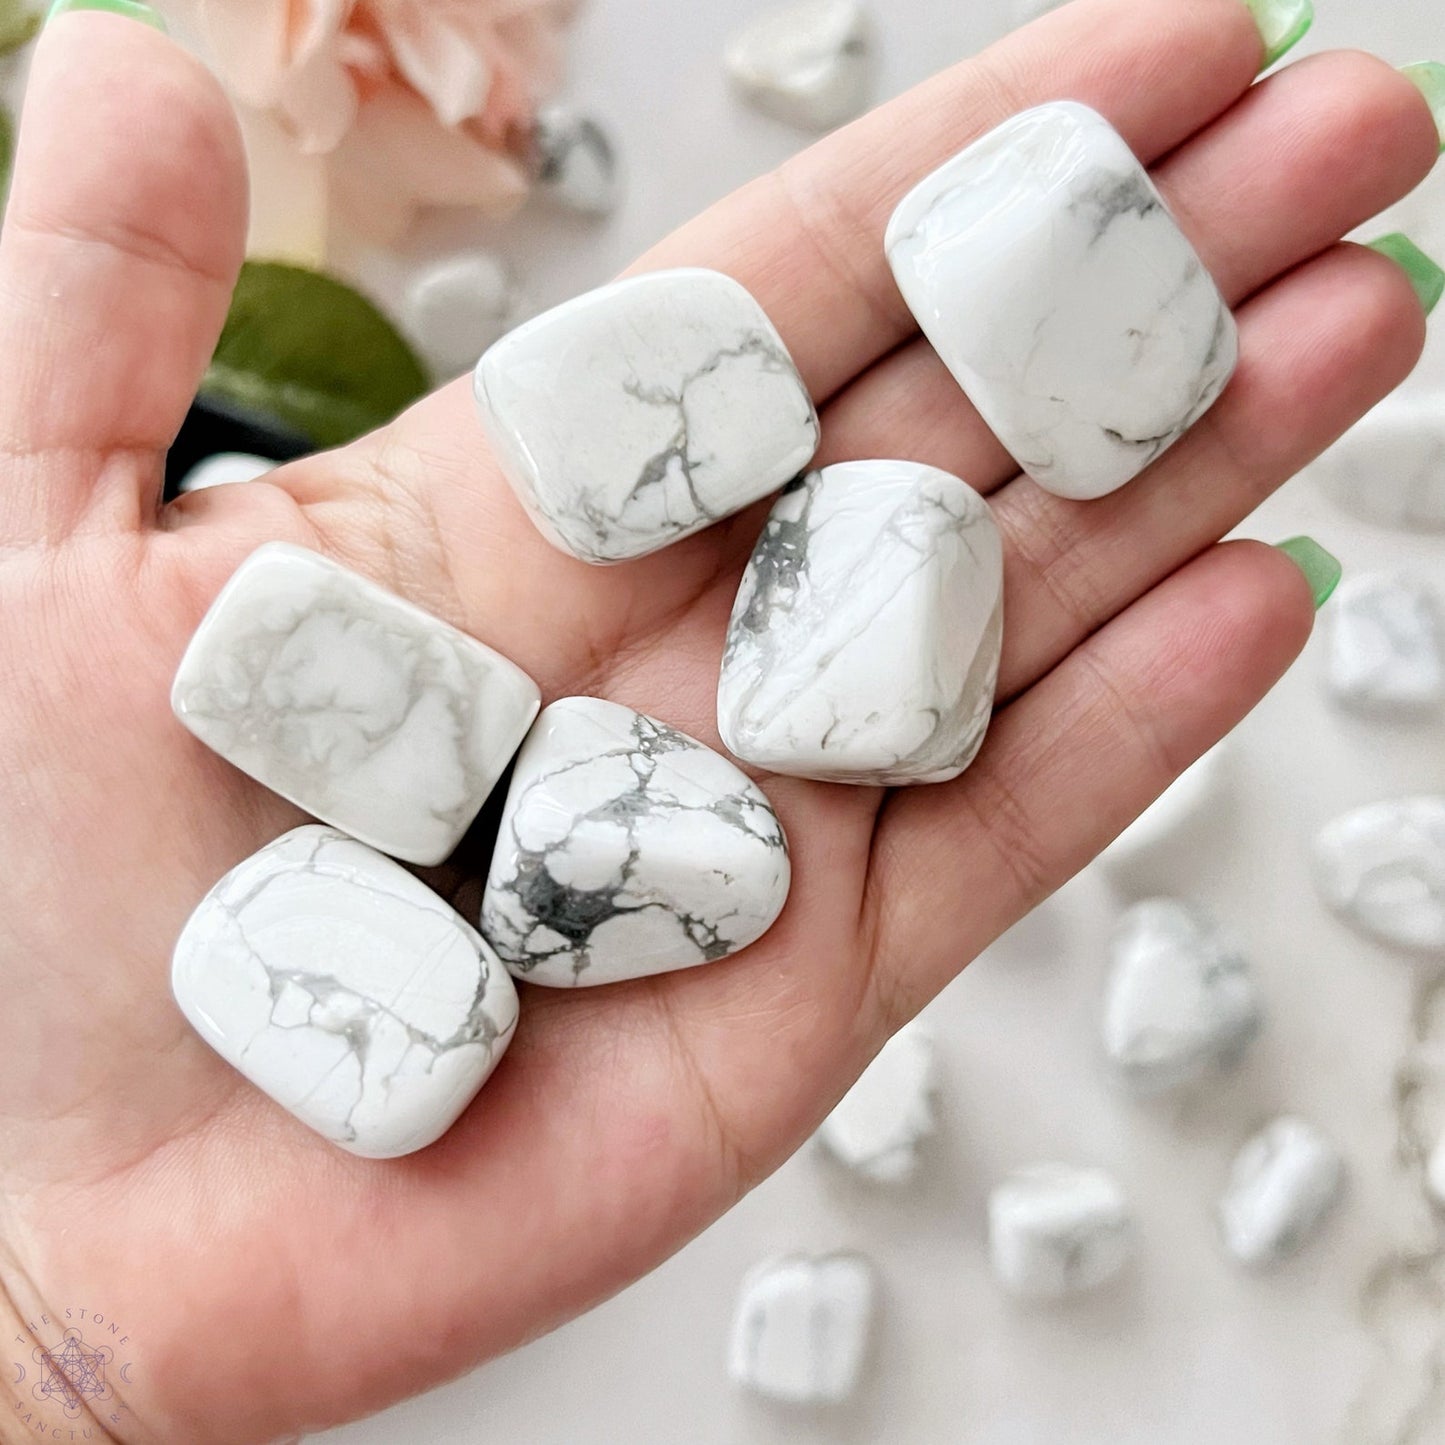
415	102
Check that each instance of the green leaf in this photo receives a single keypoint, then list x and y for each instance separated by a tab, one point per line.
7	151
312	353
19	25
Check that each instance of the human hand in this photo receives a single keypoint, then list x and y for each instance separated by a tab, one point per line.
269	1283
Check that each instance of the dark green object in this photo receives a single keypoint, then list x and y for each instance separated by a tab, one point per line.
7	151
19	25
311	352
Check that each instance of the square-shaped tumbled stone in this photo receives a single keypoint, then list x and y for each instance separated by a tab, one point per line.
1042	264
367	712
346	990
645	411
864	642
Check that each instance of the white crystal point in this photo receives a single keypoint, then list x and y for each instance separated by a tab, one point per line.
1281	1185
1389	468
456	306
1042	264
346	990
876	1127
1382	868
808	63
626	849
1172	813
801	1328
1180	998
643	412
1055	1230
225	469
1386	645
574	161
864	643
367	712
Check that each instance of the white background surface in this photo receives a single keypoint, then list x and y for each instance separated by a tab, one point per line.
1185	1349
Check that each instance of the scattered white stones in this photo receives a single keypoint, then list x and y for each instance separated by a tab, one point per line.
628	849
346	990
1389	468
643	412
1382	868
1174	812
1386	645
574	162
877	1126
801	1328
864	643
1281	1186
1180	999
367	712
225	469
808	63
454	307
1055	1230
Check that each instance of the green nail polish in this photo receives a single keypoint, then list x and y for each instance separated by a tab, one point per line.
1425	276
1282	25
1322	570
1428	77
135	9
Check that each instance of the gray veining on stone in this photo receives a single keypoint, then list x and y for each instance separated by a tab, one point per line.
574	162
1385	641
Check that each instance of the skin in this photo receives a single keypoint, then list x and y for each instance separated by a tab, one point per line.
269	1283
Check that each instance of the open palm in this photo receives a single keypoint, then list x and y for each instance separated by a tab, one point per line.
269	1283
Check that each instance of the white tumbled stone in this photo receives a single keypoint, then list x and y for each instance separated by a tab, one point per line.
1382	868
643	412
1056	1230
1389	468
1435	1172
454	307
877	1126
1385	645
864	642
225	469
574	162
367	712
1180	999
1044	267
801	1328
808	63
1281	1186
346	990
1170	814
626	849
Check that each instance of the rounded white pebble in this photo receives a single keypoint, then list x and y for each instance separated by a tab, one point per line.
1281	1186
456	307
1386	645
1055	1230
575	161
1389	468
224	469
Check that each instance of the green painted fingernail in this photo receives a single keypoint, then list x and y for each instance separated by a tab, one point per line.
135	9
1322	569
1428	77
1282	25
1425	276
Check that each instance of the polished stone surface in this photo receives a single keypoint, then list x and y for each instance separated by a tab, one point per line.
574	162
1042	264
626	849
346	990
1386	639
225	469
367	712
864	643
456	306
645	411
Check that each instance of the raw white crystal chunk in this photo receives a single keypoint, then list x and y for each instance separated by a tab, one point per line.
1175	810
864	643
1042	264
1389	468
364	710
1281	1185
574	162
1386	645
225	469
628	849
1180	997
876	1127
346	990
1056	1230
643	412
456	306
801	1327
1382	868
806	63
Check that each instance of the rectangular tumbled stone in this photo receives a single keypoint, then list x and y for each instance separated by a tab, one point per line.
640	413
367	712
1044	267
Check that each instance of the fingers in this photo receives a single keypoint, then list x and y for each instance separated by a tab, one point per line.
1074	760
808	239
125	230
1303	159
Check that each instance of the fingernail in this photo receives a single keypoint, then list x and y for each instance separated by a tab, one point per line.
1282	25
1425	276
1428	77
135	9
1322	569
